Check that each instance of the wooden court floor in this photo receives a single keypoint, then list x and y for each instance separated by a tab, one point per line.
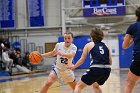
32	83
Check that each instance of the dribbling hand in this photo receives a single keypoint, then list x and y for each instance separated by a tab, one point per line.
71	67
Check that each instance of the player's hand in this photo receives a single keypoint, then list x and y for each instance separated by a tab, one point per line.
54	53
60	54
42	55
71	67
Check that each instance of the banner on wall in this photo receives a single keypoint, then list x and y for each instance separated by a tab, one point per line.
36	13
7	13
104	11
93	8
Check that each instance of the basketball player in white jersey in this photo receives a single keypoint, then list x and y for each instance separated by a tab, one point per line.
65	52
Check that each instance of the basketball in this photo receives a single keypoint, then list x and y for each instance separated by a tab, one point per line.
35	57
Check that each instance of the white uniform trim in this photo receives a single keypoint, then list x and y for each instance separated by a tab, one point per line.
67	75
101	66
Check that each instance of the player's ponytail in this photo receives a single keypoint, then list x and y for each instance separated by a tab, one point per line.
137	13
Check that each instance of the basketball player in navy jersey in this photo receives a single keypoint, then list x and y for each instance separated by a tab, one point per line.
101	60
133	35
65	52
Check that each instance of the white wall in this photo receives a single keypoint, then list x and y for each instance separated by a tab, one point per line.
21	15
40	41
113	46
52	13
52	9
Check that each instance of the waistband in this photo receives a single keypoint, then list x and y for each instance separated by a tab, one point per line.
101	66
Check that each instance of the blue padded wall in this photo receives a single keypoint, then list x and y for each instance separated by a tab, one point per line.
125	55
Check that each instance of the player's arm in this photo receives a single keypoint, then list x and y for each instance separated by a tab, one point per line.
110	58
67	55
128	41
49	54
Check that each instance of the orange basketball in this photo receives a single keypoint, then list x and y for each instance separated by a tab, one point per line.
35	57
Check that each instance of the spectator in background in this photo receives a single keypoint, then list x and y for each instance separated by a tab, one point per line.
26	62
6	60
5	42
15	55
17	60
1	48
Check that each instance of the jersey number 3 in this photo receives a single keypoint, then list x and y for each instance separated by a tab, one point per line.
101	49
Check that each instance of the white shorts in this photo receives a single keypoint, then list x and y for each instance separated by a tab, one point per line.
67	75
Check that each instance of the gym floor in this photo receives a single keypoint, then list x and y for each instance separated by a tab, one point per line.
32	83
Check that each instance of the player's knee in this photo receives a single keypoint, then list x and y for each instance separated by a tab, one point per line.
49	83
95	86
130	82
81	86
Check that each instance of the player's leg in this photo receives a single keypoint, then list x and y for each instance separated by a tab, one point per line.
79	86
96	88
51	79
102	77
72	84
69	77
130	83
87	79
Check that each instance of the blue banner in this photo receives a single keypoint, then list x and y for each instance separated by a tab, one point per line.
103	8
36	13
7	13
104	11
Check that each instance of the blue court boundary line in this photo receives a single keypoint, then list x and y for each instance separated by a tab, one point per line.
9	78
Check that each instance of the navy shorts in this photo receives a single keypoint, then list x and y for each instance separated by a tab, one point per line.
135	68
95	74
